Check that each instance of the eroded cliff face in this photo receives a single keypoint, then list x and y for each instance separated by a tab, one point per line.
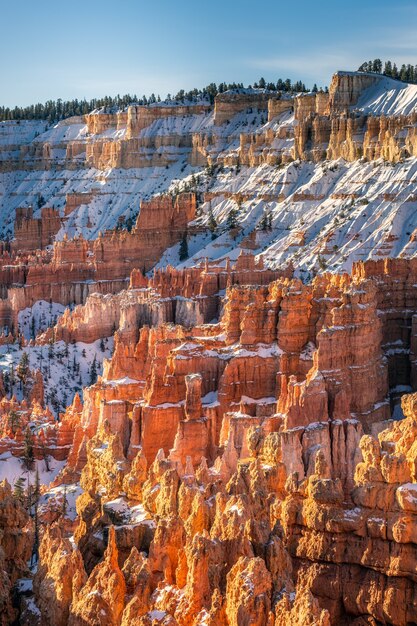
16	539
247	454
256	152
254	544
244	471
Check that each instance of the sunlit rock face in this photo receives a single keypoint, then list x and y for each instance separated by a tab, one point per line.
214	423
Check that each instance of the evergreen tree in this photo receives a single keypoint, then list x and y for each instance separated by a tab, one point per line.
6	382
28	454
232	218
377	66
407	72
37	488
13	421
212	224
102	346
183	251
388	68
12	378
266	221
45	456
93	371
19	489
64	503
35	549
22	369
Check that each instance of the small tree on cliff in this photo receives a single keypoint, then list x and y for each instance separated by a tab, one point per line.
93	371
37	488
12	378
13	421
212	224
266	221
22	369
232	219
64	502
19	489
28	454
45	455
183	251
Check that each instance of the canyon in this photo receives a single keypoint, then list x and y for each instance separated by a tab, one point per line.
208	355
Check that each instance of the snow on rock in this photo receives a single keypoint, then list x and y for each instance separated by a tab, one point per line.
388	97
54	499
12	468
38	318
406	496
66	368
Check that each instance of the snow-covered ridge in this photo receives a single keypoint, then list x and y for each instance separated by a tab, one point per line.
388	97
304	199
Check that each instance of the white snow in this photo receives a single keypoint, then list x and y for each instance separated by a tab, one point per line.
12	468
56	363
388	97
409	492
43	314
57	494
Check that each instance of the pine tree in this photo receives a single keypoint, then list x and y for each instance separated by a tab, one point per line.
266	221
22	369
64	503
232	219
45	456
377	66
6	382
13	421
102	346
28	454
93	371
212	224
35	549
388	68
37	488
18	489
12	378
183	251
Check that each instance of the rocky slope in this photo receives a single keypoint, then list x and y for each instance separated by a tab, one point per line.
214	422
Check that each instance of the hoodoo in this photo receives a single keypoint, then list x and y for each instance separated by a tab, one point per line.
208	357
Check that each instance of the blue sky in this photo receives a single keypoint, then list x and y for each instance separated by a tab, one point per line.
88	48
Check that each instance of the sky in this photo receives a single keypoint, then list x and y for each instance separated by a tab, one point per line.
85	49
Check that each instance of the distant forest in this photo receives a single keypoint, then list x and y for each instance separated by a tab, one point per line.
406	73
55	110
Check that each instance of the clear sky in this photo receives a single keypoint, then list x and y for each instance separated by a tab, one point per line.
78	49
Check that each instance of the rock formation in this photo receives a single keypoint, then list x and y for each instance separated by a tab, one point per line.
247	454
